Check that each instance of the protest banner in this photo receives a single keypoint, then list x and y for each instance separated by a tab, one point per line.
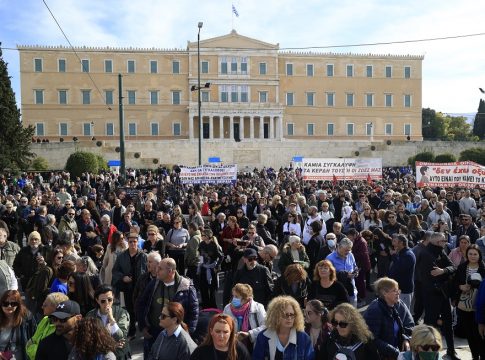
461	173
342	169
206	174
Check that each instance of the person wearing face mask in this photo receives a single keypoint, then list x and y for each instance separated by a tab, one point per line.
256	275
425	344
249	315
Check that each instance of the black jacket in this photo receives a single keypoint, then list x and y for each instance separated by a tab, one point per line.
260	280
53	347
434	256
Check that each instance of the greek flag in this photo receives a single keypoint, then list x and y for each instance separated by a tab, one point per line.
235	11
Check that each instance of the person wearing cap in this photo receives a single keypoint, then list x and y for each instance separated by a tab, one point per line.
129	266
468	277
58	345
255	275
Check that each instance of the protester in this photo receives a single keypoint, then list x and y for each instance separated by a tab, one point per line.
221	342
284	336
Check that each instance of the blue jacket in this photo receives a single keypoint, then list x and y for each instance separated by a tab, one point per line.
299	346
402	270
185	294
381	323
480	304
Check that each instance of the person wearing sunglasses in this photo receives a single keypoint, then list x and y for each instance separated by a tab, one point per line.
16	325
45	327
284	337
426	344
350	336
175	338
114	318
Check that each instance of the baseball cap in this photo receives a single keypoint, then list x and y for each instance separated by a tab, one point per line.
66	309
250	253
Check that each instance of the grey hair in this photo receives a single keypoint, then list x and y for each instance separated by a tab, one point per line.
50	218
105	217
345	242
155	256
436	237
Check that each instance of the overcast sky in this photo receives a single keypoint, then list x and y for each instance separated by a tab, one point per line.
453	70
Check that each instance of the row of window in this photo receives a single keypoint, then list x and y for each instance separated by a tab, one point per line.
350	129
228	93
88	129
108	66
350	71
228	66
350	99
131	96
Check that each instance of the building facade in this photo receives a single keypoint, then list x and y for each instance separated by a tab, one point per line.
257	93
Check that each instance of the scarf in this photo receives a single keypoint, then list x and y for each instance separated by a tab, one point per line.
242	312
208	268
397	320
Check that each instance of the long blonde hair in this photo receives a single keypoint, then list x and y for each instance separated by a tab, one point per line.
276	309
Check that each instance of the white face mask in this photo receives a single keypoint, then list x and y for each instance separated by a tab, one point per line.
331	243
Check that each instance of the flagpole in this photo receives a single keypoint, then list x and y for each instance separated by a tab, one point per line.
232	17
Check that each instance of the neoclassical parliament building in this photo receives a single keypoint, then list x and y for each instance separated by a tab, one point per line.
255	92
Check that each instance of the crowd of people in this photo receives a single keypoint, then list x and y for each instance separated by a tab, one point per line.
306	269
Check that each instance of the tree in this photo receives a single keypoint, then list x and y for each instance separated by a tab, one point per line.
445	158
457	129
81	162
479	122
39	164
474	154
15	139
433	124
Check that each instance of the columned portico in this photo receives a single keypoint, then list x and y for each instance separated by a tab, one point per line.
233	116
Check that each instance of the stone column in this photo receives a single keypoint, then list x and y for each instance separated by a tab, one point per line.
251	127
191	127
231	127
221	127
271	127
241	128
280	127
211	127
261	127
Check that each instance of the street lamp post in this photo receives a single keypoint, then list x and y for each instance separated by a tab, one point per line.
199	25
198	88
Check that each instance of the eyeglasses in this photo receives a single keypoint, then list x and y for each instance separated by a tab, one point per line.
104	301
59	257
10	304
164	316
54	319
177	222
252	258
433	347
67	204
340	324
152	234
251	233
288	315
71	214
